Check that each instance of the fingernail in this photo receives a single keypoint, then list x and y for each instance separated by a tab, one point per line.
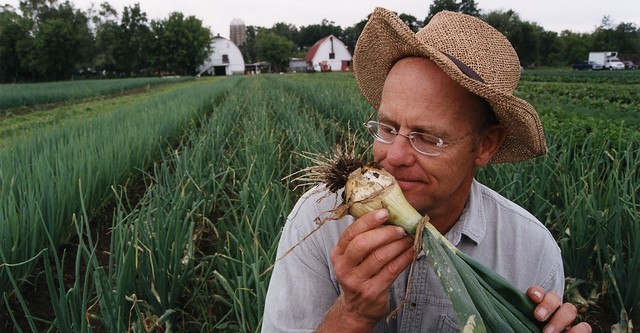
382	214
549	329
542	313
538	294
400	231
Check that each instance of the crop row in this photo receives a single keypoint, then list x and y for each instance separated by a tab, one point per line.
612	96
591	77
33	94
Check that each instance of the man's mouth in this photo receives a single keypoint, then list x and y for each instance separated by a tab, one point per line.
408	185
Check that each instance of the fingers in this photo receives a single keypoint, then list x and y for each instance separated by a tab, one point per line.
547	305
384	265
536	294
374	249
559	316
562	318
367	259
581	328
365	248
367	222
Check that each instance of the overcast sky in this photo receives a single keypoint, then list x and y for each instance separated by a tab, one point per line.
553	15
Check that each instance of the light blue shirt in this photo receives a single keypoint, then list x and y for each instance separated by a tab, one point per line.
493	230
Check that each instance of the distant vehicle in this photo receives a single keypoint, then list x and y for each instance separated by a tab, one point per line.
629	65
608	60
586	65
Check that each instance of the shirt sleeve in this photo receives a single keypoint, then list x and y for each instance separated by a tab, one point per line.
302	286
554	280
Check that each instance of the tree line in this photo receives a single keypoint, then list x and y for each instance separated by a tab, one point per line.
46	40
49	40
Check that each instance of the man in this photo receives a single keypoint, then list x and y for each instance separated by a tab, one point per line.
445	106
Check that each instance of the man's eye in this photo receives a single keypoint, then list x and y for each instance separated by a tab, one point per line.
425	139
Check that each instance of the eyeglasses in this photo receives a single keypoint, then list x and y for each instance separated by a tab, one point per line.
423	143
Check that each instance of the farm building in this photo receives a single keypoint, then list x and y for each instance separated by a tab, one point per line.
329	54
226	58
299	65
258	67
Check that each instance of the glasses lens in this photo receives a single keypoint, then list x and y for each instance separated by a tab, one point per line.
381	132
426	144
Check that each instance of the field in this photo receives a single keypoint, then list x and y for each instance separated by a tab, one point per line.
160	209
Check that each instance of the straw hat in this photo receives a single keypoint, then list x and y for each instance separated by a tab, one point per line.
469	51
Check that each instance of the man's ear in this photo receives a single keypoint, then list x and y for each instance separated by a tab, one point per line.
489	143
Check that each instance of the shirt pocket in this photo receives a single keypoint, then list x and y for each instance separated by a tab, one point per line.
447	325
438	315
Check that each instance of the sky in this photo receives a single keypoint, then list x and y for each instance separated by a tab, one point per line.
552	15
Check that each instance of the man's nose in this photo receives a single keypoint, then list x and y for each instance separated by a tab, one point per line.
400	151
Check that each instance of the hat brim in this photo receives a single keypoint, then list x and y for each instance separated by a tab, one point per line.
386	39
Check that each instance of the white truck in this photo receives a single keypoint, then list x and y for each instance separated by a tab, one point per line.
608	60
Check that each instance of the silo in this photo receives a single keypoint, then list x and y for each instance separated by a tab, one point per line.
237	32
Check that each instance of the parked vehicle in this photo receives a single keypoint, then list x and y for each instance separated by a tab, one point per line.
586	65
629	65
608	60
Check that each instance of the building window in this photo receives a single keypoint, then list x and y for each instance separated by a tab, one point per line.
225	58
332	55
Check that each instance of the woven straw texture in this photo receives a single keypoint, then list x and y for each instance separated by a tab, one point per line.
386	39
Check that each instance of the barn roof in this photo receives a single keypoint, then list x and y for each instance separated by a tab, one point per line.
314	48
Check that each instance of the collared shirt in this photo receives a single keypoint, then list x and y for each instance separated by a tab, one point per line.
493	230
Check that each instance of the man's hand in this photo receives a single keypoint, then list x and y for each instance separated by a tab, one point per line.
560	316
367	259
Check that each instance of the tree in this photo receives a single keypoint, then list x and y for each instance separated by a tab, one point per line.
411	21
248	49
273	48
181	45
59	42
549	49
107	31
464	6
623	37
526	40
574	47
628	37
288	31
524	36
310	34
133	42
469	7
351	34
13	29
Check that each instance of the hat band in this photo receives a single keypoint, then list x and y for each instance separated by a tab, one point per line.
464	68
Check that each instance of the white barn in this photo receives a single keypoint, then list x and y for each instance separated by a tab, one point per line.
329	54
226	58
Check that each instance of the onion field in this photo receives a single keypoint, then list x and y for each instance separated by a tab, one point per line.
163	214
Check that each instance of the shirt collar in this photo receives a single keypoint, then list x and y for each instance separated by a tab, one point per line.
472	222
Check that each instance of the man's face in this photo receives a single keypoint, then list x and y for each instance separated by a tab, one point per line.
418	96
